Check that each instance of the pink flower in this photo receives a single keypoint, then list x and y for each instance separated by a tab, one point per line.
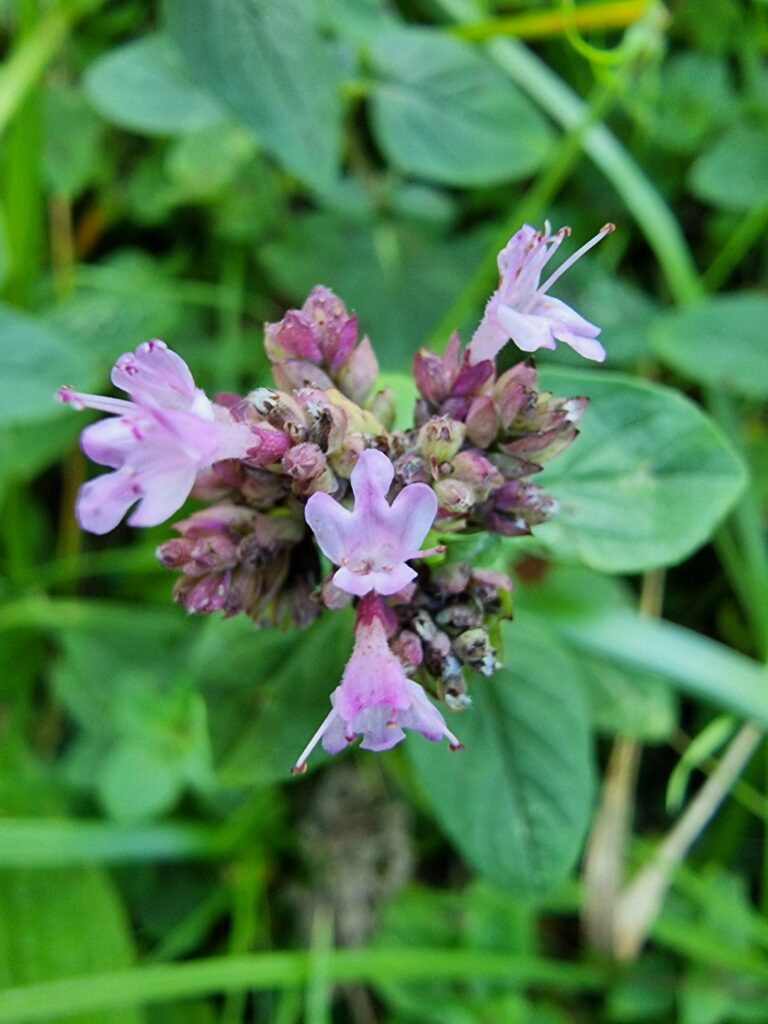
520	308
372	543
375	698
159	441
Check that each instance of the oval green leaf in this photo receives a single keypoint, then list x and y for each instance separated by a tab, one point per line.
442	111
517	800
647	481
143	86
721	342
271	66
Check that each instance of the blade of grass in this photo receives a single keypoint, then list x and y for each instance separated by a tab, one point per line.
166	983
59	842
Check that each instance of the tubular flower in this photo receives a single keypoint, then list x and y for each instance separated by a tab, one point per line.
375	698
521	310
372	543
159	441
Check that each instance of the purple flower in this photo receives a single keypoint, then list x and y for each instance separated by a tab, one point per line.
520	308
372	543
158	442
375	698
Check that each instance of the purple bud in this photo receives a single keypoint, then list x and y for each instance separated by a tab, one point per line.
305	464
411	469
472	377
174	553
514	391
431	377
334	327
482	421
298	373
486	584
207	595
451	579
267	446
293	337
407	647
213	553
358	374
474	469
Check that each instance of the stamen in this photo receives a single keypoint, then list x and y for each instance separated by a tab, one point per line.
606	229
80	400
301	764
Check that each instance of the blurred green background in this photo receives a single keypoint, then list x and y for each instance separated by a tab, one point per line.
188	170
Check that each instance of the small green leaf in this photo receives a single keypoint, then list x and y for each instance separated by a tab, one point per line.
517	799
271	66
143	86
733	173
720	342
646	482
695	96
442	111
73	156
35	360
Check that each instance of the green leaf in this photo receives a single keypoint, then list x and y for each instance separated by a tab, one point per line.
517	800
622	699
143	86
695	96
269	64
56	923
697	665
441	111
35	360
646	482
719	342
733	173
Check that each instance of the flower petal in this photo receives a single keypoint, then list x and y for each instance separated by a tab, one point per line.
155	376
371	479
332	525
411	516
102	503
528	332
163	494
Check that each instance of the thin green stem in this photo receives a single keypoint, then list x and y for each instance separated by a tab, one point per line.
167	983
654	218
749	230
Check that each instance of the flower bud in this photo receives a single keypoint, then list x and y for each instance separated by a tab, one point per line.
514	392
479	473
173	554
452	578
407	647
204	596
299	373
358	374
334	328
482	421
454	496
382	405
440	438
474	648
293	337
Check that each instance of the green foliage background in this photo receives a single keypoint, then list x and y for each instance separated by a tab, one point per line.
188	170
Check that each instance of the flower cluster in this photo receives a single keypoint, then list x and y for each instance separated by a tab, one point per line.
311	467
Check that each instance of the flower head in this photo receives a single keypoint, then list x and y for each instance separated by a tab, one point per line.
372	543
520	309
159	441
375	698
